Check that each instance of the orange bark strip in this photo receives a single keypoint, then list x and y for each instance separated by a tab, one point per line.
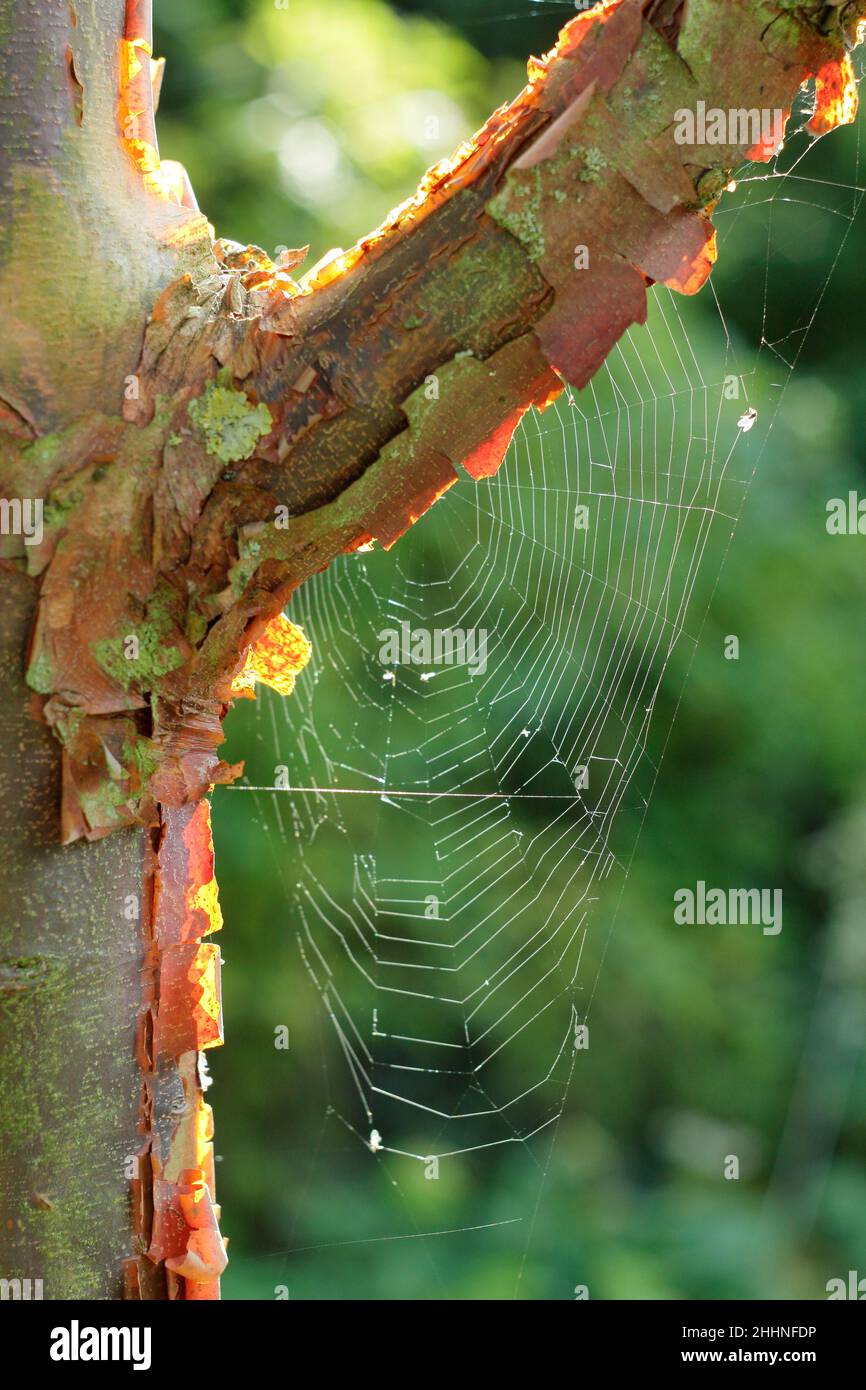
190	1002
770	144
136	114
140	80
186	904
836	97
485	460
274	659
204	1258
139	20
178	1218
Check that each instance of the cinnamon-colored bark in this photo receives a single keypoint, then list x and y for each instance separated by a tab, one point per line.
350	404
206	432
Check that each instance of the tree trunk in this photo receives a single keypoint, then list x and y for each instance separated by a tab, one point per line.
203	433
87	247
70	986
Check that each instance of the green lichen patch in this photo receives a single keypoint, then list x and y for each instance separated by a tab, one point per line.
654	84
593	163
711	185
141	755
39	675
519	209
144	653
229	425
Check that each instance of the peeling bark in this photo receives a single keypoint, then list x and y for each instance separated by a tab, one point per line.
175	1211
206	432
348	403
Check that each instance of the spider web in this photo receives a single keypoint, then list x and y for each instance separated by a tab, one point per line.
452	852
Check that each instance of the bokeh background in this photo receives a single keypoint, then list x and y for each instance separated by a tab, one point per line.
306	124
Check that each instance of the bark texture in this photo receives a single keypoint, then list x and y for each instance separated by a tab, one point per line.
204	432
87	244
347	404
70	964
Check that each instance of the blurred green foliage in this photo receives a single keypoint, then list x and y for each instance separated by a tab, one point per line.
307	125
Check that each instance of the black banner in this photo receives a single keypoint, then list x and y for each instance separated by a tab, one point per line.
64	1339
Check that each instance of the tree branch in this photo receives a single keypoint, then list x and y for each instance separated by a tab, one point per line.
344	406
191	481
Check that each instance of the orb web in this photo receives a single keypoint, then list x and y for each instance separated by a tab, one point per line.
452	845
